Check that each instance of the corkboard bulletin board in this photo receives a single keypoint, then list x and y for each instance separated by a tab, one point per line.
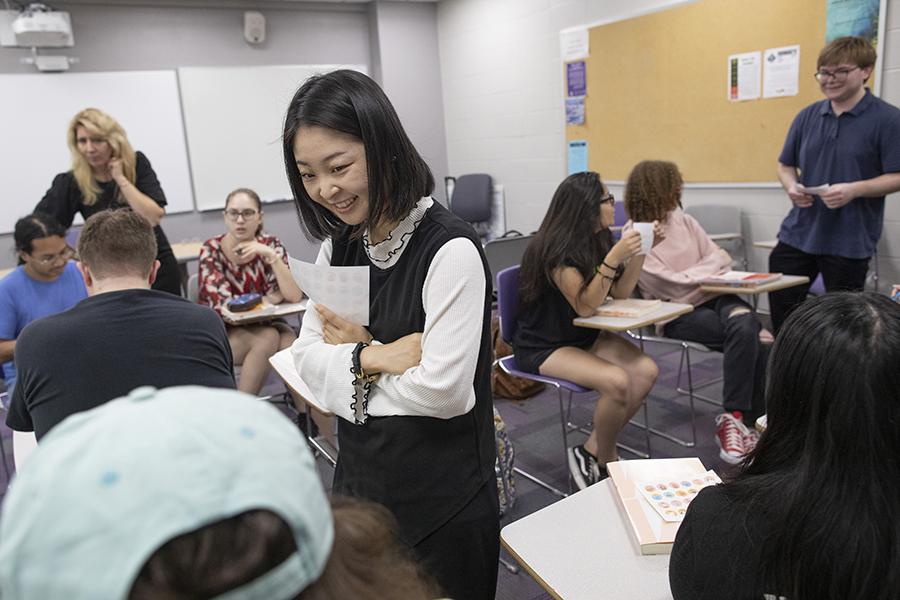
656	89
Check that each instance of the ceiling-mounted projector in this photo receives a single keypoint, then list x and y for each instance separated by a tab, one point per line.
40	27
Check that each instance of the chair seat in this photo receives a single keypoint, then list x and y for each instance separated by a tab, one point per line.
508	364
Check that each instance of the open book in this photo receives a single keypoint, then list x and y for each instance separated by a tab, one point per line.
653	534
741	279
629	307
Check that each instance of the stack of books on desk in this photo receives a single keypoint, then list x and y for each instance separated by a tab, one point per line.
654	533
629	307
741	279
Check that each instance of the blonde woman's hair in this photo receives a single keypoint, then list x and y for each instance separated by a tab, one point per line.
100	124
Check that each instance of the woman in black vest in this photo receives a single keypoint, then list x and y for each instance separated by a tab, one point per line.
108	174
412	389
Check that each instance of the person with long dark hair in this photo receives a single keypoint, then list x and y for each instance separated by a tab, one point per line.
412	390
107	173
672	272
812	515
244	260
568	270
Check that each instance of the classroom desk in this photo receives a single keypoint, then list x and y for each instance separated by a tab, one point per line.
186	252
785	281
5	272
765	244
581	547
721	237
283	364
666	310
264	312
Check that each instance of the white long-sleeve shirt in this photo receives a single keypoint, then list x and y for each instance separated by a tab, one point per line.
441	385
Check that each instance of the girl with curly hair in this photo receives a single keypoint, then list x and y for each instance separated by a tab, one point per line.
672	272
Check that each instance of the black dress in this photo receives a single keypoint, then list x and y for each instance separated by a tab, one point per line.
435	475
64	200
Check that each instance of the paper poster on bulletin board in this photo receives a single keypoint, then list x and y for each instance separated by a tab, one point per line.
578	156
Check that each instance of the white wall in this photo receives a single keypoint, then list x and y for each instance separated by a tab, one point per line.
397	40
503	104
406	50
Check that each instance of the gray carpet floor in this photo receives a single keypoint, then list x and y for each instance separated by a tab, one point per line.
534	428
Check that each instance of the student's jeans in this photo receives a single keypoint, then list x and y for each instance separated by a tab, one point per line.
838	274
744	361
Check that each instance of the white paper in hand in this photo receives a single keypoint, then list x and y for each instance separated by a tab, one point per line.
345	290
814	190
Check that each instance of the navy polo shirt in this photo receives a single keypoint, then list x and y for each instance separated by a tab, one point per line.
861	143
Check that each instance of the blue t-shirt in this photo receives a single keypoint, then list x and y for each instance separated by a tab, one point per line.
23	299
861	143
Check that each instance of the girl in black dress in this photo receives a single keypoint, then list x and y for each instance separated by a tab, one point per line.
412	389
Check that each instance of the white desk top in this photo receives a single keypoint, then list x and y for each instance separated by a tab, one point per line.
765	244
5	272
785	281
581	547
666	310
283	364
186	251
264	313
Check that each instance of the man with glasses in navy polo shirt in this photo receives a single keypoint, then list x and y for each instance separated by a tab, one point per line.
849	142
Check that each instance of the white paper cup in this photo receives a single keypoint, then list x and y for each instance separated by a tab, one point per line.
646	231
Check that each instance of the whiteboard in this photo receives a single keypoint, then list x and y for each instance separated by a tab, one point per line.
233	118
36	111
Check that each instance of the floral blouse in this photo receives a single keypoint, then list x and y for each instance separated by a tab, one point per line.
221	279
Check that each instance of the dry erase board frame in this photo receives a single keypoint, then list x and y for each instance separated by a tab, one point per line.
233	120
36	111
656	89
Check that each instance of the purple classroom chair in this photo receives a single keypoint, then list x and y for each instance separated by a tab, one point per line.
508	308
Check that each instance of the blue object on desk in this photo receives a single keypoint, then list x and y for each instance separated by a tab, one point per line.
244	302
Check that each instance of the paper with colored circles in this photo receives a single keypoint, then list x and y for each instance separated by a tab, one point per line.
670	497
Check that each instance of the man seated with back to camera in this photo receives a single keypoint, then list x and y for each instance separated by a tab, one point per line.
124	335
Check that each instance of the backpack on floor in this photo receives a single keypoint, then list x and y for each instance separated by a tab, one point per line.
506	458
504	385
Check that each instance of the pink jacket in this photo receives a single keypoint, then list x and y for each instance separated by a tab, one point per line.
674	267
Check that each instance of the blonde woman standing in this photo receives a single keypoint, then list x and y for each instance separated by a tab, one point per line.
107	174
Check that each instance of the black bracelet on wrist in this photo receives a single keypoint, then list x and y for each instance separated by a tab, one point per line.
361	383
609	266
357	367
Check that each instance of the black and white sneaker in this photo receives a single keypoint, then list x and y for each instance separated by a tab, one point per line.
583	467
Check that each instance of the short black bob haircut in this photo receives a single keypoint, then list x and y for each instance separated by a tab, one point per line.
350	102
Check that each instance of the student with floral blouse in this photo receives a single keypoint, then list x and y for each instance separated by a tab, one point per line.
241	261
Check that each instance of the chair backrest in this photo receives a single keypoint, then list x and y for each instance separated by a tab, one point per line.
72	235
472	197
508	302
621	217
193	288
505	252
715	218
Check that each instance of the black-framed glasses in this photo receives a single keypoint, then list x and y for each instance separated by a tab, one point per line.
823	75
247	213
609	199
49	259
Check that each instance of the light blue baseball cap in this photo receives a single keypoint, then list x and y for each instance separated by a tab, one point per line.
108	487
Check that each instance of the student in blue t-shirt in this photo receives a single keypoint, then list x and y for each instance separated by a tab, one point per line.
45	283
850	141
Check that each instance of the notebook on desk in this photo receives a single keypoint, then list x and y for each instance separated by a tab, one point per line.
651	532
628	307
740	279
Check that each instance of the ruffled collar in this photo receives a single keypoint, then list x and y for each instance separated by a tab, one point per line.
387	252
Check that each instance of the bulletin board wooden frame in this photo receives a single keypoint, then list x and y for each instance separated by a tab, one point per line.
656	89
